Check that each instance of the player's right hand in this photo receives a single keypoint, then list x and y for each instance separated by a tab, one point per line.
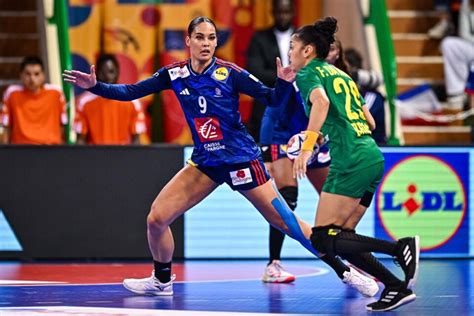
81	79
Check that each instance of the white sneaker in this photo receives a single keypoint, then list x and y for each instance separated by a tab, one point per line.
439	30
365	285
275	273
150	286
456	102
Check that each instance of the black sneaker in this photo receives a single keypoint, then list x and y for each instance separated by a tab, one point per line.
392	298
408	257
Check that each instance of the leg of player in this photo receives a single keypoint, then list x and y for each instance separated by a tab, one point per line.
366	261
328	236
281	171
187	188
268	202
317	176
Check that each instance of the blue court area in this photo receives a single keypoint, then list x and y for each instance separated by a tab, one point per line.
444	287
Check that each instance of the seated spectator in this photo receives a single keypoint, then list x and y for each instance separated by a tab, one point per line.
458	54
447	24
33	112
368	81
101	121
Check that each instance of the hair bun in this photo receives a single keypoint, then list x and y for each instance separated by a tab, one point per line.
326	27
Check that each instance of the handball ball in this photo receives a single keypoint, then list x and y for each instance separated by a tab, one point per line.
293	148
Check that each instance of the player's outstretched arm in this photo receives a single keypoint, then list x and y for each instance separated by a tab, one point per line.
81	79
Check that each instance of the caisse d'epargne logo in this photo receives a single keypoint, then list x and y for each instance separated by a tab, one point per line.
422	195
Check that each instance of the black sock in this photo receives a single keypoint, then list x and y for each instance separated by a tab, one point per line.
336	264
350	243
367	262
276	242
162	271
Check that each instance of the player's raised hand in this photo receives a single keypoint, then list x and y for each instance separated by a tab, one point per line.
285	73
81	79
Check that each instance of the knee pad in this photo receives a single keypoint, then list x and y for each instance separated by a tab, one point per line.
290	195
322	238
366	199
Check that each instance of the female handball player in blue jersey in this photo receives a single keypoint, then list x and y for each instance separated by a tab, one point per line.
208	90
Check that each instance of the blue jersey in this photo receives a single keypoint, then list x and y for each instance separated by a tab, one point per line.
210	102
279	124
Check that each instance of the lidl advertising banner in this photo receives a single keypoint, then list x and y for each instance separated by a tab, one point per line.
425	191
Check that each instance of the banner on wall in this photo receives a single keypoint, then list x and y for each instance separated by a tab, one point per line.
424	191
425	194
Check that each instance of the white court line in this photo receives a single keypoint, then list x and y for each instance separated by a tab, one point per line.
25	282
318	272
70	310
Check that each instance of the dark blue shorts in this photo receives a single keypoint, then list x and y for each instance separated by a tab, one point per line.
273	152
241	176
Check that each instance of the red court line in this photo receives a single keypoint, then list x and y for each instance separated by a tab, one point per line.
115	272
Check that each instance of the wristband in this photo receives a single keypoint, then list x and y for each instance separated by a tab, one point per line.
310	141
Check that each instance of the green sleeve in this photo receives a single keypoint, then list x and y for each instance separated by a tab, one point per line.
307	81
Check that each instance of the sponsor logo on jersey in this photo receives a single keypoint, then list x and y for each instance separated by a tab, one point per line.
431	204
184	92
218	93
208	129
178	72
221	73
241	176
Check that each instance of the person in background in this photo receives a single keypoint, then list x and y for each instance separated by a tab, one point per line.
33	112
101	121
458	54
368	81
264	47
448	14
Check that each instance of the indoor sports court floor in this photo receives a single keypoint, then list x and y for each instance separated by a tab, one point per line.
445	287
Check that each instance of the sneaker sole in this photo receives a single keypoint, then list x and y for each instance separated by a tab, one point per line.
412	281
154	293
286	280
410	298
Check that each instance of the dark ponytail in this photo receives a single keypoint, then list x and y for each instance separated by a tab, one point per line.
320	34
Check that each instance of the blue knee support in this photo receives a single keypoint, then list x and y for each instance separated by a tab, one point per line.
290	220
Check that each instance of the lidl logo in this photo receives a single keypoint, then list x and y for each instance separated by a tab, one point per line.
422	195
221	73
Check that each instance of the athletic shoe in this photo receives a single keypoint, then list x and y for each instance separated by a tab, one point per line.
150	286
365	285
391	299
275	273
440	29
408	257
350	265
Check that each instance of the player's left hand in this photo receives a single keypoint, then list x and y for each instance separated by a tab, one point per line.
300	163
285	73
